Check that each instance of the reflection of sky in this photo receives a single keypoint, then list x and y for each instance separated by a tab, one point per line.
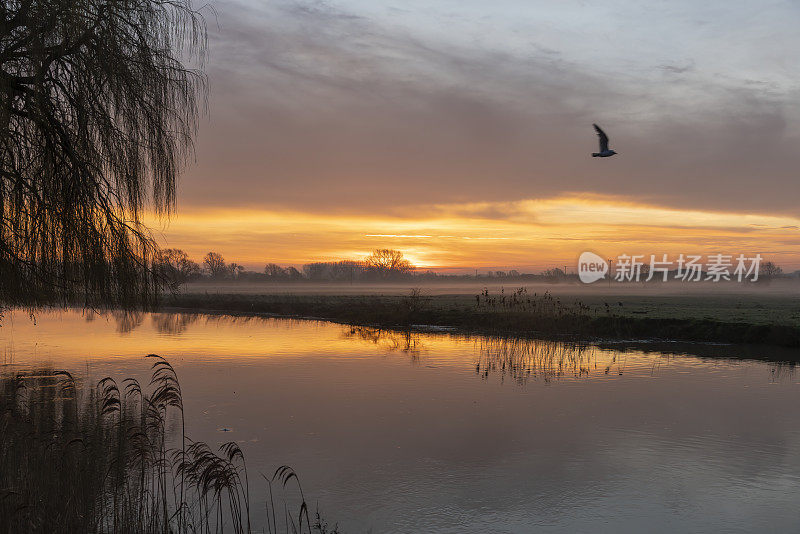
415	441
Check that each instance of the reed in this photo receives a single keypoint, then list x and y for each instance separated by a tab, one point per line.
116	458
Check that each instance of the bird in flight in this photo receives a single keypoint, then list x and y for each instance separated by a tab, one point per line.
604	151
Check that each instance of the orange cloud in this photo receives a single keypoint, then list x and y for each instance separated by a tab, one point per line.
529	234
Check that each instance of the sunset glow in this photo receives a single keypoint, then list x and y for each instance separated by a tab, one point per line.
529	235
462	134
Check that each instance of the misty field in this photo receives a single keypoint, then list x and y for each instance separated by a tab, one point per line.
762	313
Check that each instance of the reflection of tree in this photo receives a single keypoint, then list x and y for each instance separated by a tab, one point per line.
127	321
522	359
407	342
173	323
782	372
177	322
519	359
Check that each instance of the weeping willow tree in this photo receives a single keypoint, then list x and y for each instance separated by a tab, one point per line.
99	103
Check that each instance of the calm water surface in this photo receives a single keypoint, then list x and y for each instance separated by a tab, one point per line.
433	433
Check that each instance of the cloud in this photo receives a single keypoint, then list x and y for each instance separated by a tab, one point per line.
325	109
523	234
675	69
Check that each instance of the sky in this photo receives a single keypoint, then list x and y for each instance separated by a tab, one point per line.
460	132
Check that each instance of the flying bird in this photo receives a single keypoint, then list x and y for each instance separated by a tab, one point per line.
604	151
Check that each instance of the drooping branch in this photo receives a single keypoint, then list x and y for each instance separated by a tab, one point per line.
98	111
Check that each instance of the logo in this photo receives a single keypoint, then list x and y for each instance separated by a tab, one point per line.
591	268
686	268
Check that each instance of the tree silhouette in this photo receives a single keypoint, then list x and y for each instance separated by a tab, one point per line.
215	265
97	117
176	268
387	262
275	271
770	270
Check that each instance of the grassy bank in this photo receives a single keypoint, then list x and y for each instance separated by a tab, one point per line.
729	319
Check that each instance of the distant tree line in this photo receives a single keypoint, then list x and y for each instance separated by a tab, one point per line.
176	267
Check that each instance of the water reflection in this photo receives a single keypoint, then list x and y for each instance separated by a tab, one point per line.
115	458
437	439
516	359
176	323
783	372
522	360
173	323
407	342
191	334
126	321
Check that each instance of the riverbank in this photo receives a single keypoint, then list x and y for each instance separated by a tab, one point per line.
735	318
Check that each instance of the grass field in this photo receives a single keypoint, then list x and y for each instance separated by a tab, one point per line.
767	314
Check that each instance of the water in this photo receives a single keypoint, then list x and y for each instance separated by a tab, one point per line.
435	433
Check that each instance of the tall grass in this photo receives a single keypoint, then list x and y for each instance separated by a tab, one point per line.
115	458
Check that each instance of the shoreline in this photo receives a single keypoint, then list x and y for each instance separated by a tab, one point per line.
546	318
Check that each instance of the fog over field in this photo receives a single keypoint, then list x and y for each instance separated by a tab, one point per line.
788	288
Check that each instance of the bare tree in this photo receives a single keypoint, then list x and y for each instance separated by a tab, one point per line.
770	270
293	274
175	266
317	270
274	271
97	117
215	265
344	270
387	262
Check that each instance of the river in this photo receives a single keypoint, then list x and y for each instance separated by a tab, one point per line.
432	432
